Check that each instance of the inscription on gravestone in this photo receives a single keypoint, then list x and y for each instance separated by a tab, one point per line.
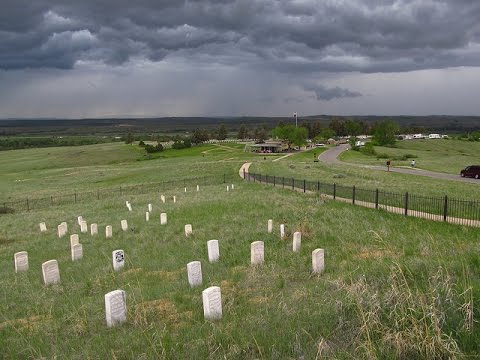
51	274
194	273
115	307
93	229
20	261
118	258
257	252
213	250
318	258
83	227
212	303
77	252
74	240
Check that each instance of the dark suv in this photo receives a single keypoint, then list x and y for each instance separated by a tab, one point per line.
471	171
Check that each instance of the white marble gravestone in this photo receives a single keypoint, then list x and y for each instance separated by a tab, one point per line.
118	259
108	231
150	208
124	225
257	252
61	230
174	199
162	197
282	231
115	307
233	187
213	250
74	240
270	226
79	220
194	273
126	203
147	216
212	303
84	227
43	227
228	189
198	187
297	241
93	229
188	230
318	260
51	274
185	189
163	218
129	206
20	260
77	252
65	225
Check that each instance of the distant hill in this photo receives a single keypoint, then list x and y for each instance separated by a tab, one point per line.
119	126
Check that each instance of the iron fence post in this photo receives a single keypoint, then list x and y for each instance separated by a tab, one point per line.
75	194
318	186
273	180
445	208
283	182
243	173
334	191
406	203
353	194
304	185
376	198
28	205
293	183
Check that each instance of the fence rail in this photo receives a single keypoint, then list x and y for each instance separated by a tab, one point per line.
28	204
444	208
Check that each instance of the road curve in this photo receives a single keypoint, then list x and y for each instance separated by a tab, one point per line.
331	157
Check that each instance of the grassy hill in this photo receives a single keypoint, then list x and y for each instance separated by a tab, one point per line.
394	287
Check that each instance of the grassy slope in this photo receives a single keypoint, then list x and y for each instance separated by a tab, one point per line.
448	156
398	272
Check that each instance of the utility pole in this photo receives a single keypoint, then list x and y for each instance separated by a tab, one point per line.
295	116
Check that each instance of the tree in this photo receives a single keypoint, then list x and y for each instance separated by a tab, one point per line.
129	139
315	129
353	129
338	126
199	136
291	134
222	132
261	134
326	133
242	132
384	133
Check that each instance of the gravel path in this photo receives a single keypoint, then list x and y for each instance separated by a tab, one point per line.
331	157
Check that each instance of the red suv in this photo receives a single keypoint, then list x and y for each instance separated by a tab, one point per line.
471	171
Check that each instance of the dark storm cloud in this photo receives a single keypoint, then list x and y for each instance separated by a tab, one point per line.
293	37
324	93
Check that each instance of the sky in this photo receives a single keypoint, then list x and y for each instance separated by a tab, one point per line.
149	58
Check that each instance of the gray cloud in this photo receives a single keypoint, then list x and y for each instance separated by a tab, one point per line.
288	36
324	93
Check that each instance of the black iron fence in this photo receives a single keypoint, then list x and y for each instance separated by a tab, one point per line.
443	208
28	204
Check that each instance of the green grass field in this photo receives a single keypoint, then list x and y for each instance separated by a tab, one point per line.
394	287
449	156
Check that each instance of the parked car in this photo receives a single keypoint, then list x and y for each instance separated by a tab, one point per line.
471	171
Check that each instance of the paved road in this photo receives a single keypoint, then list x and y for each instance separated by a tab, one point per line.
331	157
